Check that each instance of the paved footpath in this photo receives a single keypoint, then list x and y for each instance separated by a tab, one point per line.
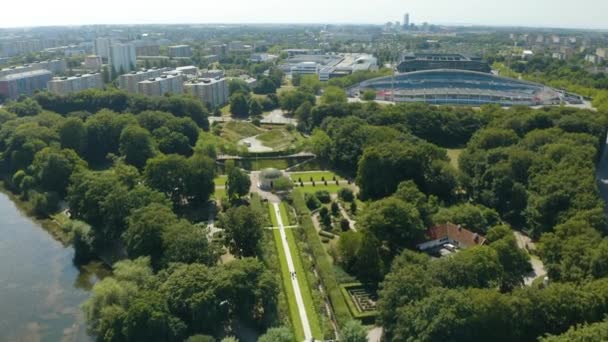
294	280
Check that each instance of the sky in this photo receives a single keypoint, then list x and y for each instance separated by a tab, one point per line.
592	14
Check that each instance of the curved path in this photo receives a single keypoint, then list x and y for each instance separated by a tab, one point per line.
294	280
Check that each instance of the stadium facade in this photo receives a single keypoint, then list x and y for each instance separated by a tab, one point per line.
458	87
430	61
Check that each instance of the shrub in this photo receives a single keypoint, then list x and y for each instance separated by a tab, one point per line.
346	194
324	266
323	196
335	209
344	225
312	202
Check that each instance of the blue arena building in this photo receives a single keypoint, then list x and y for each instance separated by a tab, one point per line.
459	87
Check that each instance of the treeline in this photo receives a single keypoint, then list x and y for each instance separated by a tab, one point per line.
133	184
443	126
93	100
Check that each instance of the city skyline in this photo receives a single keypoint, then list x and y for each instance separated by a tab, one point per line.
540	13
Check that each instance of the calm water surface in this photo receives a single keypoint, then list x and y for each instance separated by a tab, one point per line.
40	288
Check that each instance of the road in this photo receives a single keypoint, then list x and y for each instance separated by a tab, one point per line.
294	280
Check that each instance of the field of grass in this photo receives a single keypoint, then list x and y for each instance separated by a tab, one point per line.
220	180
234	131
226	110
304	286
453	154
316	176
286	277
218	194
279	139
331	187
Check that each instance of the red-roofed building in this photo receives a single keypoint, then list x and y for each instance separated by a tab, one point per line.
450	233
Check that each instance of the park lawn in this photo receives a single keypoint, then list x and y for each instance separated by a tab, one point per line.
226	110
313	318
218	194
279	139
296	322
234	131
316	176
453	154
261	164
220	180
331	187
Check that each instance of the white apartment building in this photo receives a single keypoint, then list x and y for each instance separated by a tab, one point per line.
92	63
122	58
66	85
102	47
129	81
162	85
209	90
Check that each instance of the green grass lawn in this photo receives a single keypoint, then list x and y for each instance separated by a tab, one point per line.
331	187
234	131
302	281
286	277
316	176
218	194
453	154
279	139
220	180
226	110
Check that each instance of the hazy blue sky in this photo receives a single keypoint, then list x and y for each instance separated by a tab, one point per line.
554	13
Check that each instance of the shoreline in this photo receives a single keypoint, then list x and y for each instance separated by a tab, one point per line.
49	225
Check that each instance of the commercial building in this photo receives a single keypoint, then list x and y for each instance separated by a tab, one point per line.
298	52
406	21
162	85
92	63
122	58
329	65
460	87
304	68
263	57
129	81
429	61
25	83
209	90
180	51
66	85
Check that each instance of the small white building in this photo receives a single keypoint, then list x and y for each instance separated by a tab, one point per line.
267	178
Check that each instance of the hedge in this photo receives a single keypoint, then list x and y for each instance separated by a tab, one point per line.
324	267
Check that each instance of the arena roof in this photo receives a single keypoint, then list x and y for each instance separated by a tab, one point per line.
450	86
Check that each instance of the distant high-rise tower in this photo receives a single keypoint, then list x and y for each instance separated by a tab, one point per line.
406	20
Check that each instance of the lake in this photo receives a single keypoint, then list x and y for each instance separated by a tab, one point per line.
40	288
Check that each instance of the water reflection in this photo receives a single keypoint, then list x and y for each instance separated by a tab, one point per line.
40	289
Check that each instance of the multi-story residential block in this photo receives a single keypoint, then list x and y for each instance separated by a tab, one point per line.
25	83
212	73
128	82
56	66
66	85
209	90
180	51
92	63
122	58
102	47
173	83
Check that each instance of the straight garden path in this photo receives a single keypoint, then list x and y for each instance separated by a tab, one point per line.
292	271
